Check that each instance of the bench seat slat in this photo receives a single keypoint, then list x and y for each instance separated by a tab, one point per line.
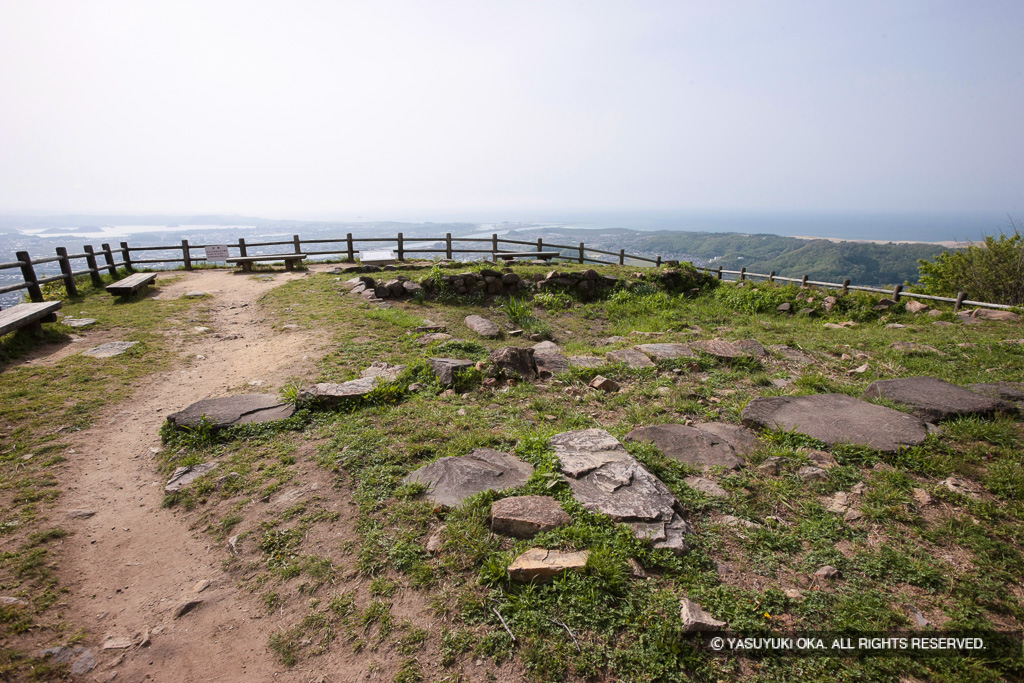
24	314
131	284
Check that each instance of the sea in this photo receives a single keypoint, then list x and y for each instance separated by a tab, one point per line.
40	235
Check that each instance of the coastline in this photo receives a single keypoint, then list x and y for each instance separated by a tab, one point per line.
949	244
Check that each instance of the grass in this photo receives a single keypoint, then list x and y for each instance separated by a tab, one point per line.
345	568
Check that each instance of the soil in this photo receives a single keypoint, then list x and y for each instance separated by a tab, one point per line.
133	563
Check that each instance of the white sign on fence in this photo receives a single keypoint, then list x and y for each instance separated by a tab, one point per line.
377	258
216	252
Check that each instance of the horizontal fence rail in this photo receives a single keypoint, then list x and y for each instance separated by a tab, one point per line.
108	259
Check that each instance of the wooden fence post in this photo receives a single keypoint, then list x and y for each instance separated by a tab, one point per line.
65	269
401	248
743	274
959	301
540	245
657	261
448	246
846	286
126	255
28	274
108	256
186	254
803	282
351	251
241	247
771	277
581	252
94	269
896	292
494	246
298	244
719	272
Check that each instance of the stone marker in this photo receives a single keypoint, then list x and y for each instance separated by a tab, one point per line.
516	361
696	619
607	479
540	565
229	411
183	476
109	350
451	480
661	352
836	419
932	399
527	516
482	326
706	486
706	445
630	357
445	368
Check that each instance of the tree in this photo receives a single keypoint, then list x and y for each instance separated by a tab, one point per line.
992	272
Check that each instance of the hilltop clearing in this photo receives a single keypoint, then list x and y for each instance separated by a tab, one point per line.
628	434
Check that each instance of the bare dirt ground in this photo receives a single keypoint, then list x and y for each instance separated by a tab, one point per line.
132	563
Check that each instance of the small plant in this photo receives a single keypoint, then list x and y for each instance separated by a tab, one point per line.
290	393
519	310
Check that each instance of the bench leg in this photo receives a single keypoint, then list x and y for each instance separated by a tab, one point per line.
289	264
246	267
35	327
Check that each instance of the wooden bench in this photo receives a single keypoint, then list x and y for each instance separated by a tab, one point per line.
246	261
131	284
31	316
535	255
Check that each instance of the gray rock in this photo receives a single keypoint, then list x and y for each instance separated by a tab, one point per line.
661	352
752	347
1007	391
812	473
707	487
712	445
436	541
990	314
186	607
696	619
109	350
732	521
610	341
229	411
549	359
483	326
78	322
607	479
527	516
81	659
916	307
331	393
445	368
629	357
784	308
791	354
382	371
515	360
720	348
771	466
604	384
8	600
80	513
586	362
182	477
932	399
428	339
195	294
836	419
449	481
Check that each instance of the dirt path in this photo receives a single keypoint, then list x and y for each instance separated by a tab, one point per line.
133	563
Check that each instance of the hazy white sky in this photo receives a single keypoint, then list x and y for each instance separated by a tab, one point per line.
334	108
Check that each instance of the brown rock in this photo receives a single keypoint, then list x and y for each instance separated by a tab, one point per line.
696	619
630	358
602	383
527	516
916	307
540	565
516	361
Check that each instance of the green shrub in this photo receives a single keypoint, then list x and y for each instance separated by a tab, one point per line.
993	272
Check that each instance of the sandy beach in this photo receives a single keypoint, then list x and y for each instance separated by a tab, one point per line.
949	244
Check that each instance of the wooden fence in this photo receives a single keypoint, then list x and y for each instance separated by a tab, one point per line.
110	259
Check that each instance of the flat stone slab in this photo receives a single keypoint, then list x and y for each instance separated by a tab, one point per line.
229	411
527	516
550	363
109	350
183	476
515	360
607	479
332	393
540	565
791	354
586	362
932	399
725	350
482	326
707	445
1007	391
428	339
382	371
630	358
706	486
445	368
695	618
660	352
78	322
449	481
836	419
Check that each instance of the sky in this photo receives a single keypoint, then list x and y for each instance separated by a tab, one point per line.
395	109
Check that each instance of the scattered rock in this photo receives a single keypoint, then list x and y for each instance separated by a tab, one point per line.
549	359
958	485
117	643
445	368
705	445
586	362
182	477
229	411
80	513
942	323
811	473
662	352
607	479
921	497
451	480
186	607
81	659
933	399
195	294
11	601
990	314
791	354
919	618
822	459
707	487
610	341
794	593
602	383
436	541
827	572
836	419
201	585
78	322
784	308
382	371
720	348
733	521
1007	391
109	350
859	370
771	466
696	619
540	565
839	503
916	307
428	339
331	393
515	361
895	326
482	326
527	516
630	358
